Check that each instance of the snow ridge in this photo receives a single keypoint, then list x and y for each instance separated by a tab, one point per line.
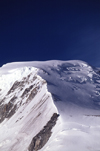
25	108
40	90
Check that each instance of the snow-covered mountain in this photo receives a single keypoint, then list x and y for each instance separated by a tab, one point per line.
49	106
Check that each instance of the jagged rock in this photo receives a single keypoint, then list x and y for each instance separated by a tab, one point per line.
15	85
13	99
33	93
7	110
26	91
43	136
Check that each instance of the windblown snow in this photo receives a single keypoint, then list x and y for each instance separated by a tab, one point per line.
49	106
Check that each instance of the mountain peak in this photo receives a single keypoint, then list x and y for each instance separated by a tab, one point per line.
45	104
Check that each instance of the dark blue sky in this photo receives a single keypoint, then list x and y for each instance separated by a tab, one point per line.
50	29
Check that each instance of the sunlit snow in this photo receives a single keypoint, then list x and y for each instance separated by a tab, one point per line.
72	91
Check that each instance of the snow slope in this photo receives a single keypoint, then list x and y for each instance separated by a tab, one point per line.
72	90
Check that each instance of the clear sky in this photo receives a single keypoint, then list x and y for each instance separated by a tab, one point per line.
42	30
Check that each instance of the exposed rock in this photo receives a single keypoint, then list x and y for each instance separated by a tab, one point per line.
33	93
15	86
43	136
26	91
12	111
7	110
13	99
34	78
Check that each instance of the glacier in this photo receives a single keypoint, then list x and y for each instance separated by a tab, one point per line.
49	105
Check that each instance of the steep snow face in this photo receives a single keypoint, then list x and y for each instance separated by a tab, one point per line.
75	89
25	108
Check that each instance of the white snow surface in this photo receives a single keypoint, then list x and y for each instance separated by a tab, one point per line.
72	90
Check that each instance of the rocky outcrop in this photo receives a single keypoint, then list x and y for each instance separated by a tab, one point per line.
7	110
43	136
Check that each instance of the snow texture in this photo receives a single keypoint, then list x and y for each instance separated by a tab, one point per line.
68	88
